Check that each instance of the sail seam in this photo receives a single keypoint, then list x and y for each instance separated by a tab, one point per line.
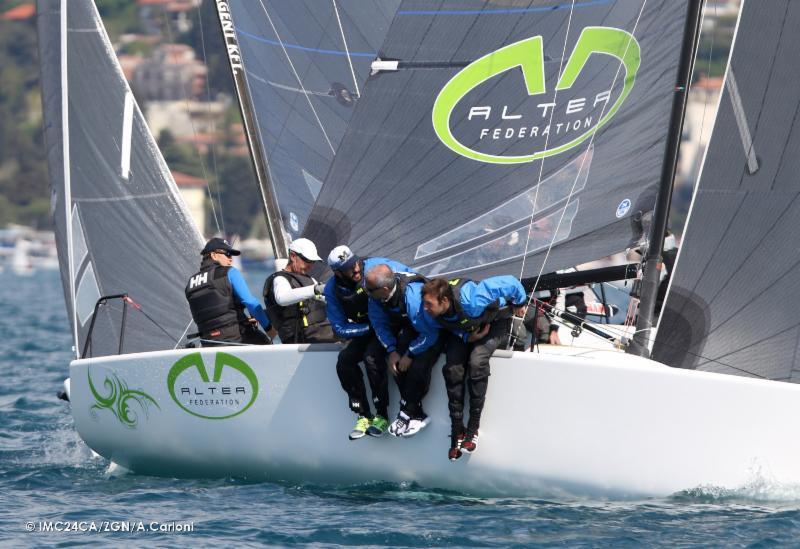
297	76
346	49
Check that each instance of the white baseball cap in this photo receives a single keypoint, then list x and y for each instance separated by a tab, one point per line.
341	258
305	248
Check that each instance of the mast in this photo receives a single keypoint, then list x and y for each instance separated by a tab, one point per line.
653	262
268	199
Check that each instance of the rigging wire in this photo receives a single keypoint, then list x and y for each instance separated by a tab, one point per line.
541	168
210	117
297	76
203	167
347	51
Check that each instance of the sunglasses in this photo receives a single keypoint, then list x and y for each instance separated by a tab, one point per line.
223	252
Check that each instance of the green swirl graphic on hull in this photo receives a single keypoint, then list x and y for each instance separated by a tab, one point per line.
528	55
119	400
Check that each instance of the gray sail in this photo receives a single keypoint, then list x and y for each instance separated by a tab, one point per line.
478	115
121	225
305	63
733	301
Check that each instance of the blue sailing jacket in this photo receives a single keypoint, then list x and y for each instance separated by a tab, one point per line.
343	327
242	293
423	323
477	296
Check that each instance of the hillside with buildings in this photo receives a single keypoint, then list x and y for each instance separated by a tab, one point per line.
172	55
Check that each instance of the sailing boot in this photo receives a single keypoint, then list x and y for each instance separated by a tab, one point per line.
360	429
456	438
470	442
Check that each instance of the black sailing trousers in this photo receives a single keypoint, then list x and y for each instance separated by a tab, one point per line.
414	382
370	350
466	367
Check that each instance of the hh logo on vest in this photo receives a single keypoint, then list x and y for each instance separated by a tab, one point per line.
231	390
198	279
512	120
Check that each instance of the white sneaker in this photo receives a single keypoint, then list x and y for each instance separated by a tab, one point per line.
400	425
416	425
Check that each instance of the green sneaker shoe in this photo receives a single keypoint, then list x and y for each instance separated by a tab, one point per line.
378	426
360	429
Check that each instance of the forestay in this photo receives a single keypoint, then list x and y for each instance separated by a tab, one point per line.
305	63
121	225
479	113
733	302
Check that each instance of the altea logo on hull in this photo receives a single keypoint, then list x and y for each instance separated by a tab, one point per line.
231	390
528	55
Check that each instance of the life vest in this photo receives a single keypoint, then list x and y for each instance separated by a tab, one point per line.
294	322
461	321
212	301
395	306
354	304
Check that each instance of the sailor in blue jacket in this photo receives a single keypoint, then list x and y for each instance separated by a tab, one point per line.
476	317
409	335
218	295
346	302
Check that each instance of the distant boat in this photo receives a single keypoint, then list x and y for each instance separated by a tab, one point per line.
428	154
20	258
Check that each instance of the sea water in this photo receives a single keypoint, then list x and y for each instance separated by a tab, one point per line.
49	480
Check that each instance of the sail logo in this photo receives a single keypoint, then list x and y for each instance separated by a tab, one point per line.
232	388
583	115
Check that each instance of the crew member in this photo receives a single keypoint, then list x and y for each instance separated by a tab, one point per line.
217	297
346	302
294	300
410	337
477	319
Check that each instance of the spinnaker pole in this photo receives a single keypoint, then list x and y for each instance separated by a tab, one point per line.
653	261
268	197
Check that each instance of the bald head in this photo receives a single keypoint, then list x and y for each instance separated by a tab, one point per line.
380	276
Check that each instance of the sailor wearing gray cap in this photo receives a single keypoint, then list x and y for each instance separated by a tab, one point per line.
294	299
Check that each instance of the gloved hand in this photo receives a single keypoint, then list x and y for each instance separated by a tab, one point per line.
319	289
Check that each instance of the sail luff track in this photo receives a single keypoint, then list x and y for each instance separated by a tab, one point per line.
67	171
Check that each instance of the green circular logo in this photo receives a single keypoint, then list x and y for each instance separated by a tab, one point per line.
231	390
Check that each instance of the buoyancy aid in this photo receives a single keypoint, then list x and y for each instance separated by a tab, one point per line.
395	306
460	321
294	322
354	304
212	301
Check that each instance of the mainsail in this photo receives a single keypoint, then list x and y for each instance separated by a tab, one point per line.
305	63
733	302
121	225
478	114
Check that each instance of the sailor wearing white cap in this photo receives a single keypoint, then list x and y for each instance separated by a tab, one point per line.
294	299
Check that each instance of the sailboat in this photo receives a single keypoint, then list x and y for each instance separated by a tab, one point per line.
464	138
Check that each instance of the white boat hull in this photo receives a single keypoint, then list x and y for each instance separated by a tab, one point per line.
560	421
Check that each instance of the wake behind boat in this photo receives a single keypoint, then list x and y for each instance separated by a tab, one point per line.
412	174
